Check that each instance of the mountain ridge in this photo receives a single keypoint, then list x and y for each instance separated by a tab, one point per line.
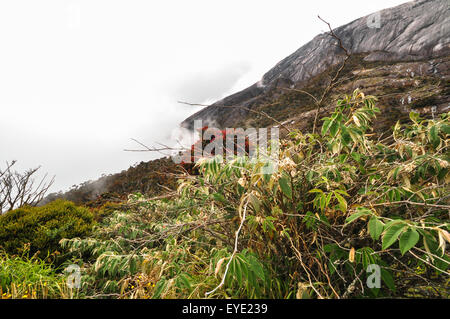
405	33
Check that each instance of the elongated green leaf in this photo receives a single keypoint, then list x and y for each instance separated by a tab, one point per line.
366	256
340	191
285	187
183	280
345	136
391	234
433	136
375	228
408	240
342	202
328	199
359	213
256	267
387	279
326	126
160	287
255	202
334	128
238	270
356	156
267	224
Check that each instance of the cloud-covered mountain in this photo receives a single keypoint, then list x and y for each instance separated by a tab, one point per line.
412	31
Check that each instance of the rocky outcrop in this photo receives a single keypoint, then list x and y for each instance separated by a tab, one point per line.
413	31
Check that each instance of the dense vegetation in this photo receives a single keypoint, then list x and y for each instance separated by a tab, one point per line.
39	229
330	205
31	277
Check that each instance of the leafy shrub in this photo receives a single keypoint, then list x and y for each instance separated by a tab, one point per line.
336	202
43	227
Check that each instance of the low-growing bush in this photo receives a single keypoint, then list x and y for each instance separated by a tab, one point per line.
43	227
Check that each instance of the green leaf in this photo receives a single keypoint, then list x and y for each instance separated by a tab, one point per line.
256	267
183	280
309	220
445	128
342	202
387	279
255	202
334	128
396	170
375	228
345	136
414	116
360	211
160	287
326	125
328	199
340	191
285	187
408	240
268	224
366	256
434	137
238	270
324	220
391	234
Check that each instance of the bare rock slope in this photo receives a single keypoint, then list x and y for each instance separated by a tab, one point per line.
417	30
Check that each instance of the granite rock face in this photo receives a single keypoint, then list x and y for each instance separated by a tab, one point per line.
412	31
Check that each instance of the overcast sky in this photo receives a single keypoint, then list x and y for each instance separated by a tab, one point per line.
78	79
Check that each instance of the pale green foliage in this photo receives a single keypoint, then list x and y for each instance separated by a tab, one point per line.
337	202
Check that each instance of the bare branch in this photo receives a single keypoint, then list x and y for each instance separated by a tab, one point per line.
333	81
18	189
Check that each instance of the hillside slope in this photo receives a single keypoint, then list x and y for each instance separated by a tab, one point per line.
151	178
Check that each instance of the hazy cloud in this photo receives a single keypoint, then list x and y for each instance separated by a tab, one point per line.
210	85
79	78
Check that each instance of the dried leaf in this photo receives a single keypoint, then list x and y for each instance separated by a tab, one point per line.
219	264
441	241
351	255
302	291
446	235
